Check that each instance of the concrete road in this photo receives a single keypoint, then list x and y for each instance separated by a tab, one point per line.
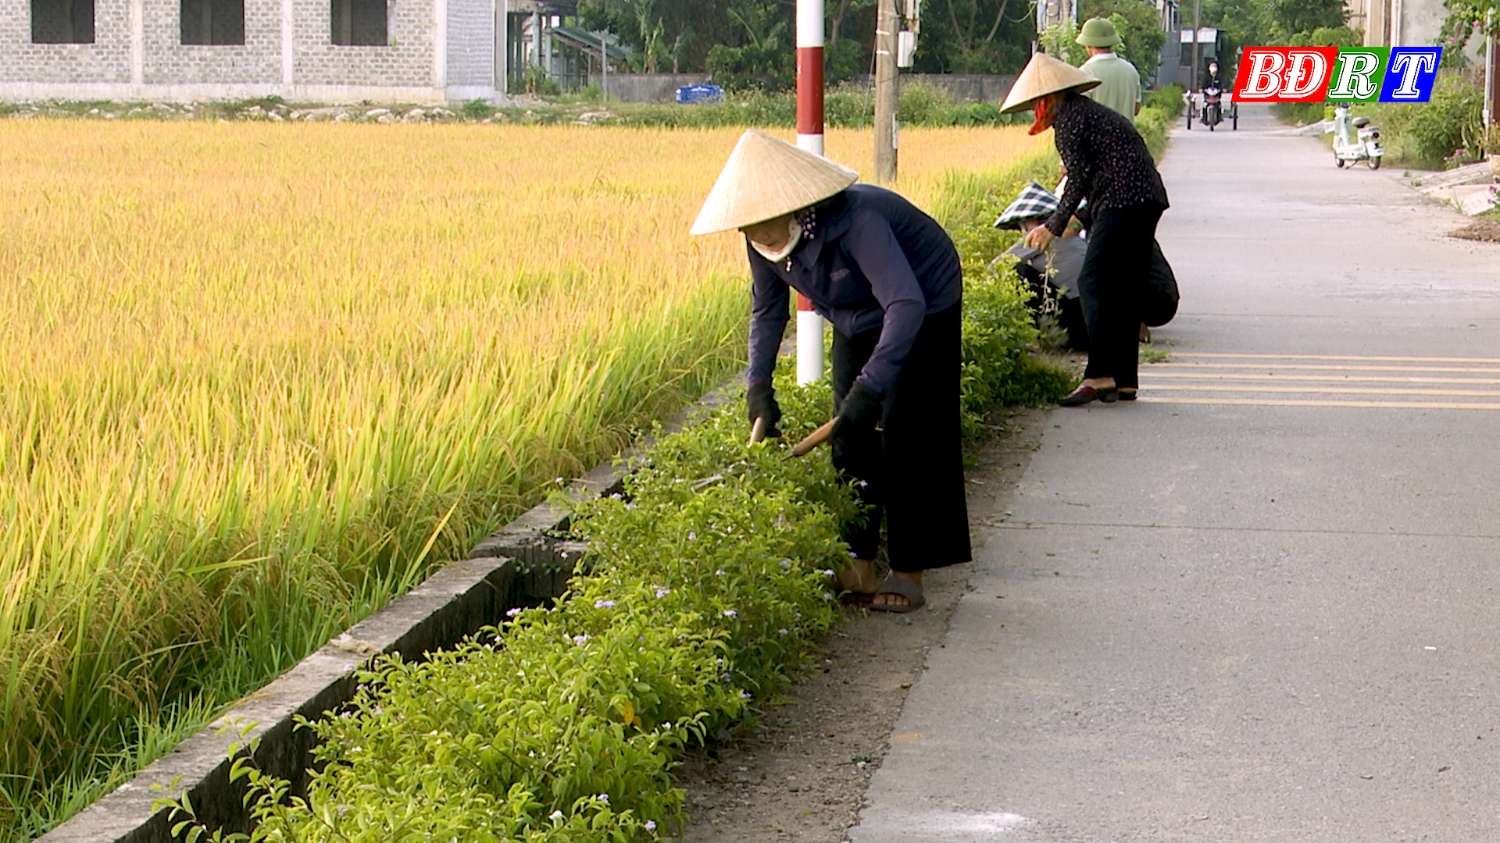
1262	603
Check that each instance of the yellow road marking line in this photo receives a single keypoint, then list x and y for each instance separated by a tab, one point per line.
1313	378
1225	356
1327	368
1483	393
1389	405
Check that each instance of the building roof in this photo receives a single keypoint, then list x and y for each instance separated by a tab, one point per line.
589	41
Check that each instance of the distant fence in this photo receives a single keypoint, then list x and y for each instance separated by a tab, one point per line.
647	87
662	87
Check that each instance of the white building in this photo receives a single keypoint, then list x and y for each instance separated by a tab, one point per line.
301	50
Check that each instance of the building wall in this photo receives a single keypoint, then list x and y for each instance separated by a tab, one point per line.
167	61
406	61
108	59
421	62
471	43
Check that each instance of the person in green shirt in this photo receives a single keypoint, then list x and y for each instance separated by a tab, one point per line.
1121	88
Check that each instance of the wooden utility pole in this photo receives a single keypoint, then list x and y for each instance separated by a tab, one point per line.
887	91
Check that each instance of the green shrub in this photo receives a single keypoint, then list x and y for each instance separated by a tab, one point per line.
1450	123
706	583
1167	100
845	106
924	104
1154	124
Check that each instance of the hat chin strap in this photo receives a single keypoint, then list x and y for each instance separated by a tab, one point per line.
795	237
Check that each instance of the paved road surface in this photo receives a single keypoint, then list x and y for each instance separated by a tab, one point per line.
1261	603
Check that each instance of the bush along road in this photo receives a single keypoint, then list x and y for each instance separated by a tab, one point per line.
705	587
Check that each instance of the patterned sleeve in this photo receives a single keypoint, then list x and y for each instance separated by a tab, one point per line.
1070	138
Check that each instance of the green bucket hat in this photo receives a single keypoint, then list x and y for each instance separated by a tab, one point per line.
1098	32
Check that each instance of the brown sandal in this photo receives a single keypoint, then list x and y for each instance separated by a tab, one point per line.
903	587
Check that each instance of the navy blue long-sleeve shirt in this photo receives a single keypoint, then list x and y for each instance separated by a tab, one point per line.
874	262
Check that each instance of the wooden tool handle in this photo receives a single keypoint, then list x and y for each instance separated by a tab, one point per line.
758	430
814	439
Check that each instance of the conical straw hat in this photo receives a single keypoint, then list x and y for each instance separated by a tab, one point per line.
1045	75
765	178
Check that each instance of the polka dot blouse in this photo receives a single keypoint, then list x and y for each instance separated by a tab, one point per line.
1108	163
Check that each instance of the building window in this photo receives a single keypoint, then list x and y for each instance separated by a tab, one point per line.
213	21
62	21
360	23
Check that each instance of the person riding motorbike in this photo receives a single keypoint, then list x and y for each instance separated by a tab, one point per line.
1210	77
1211	86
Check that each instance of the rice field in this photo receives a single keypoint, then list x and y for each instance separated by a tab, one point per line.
256	379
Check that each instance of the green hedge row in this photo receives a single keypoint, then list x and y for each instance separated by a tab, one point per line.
922	104
707	585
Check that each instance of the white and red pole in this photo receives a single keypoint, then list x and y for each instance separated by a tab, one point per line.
810	138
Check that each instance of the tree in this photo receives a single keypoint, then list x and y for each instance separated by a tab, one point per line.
974	36
766	59
1291	17
1466	19
846	56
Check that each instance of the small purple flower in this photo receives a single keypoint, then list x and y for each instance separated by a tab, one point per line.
650	825
692	537
604	604
786	564
604	797
580	640
827	572
729	613
781	631
827	595
662	592
744	695
510	613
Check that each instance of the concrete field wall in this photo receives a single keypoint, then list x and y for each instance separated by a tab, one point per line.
662	87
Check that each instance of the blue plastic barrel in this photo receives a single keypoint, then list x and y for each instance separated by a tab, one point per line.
696	94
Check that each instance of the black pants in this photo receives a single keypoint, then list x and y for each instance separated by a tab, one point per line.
1112	284
912	470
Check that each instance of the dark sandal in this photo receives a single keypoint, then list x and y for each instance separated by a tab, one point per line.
904	588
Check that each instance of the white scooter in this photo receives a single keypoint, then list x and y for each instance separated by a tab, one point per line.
1354	139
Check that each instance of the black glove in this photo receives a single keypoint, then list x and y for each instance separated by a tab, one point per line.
761	400
860	410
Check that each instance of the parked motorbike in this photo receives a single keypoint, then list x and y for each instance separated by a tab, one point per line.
1355	139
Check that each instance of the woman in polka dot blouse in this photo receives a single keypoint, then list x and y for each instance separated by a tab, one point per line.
1107	164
